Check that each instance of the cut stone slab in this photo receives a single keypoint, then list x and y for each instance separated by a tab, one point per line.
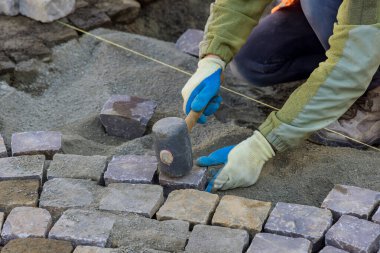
189	42
47	10
329	249
189	205
46	143
22	167
210	239
351	200
83	227
354	235
91	249
25	222
88	18
127	116
197	179
242	213
376	216
122	11
135	169
143	199
16	193
37	245
3	149
270	243
9	7
295	220
77	166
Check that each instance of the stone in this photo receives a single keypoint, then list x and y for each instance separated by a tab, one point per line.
2	215
143	199
26	47
47	10
91	249
189	42
54	33
37	245
47	143
88	18
210	239
6	65
295	220
351	200
271	243
3	149
83	227
242	213
9	7
189	205
25	222
376	217
77	166
197	179
16	193
329	249
354	235
127	116
135	169
122	11
22	167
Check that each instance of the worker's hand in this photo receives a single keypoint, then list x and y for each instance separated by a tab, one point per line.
201	91
244	164
215	158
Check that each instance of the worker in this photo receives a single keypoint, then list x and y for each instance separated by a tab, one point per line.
335	44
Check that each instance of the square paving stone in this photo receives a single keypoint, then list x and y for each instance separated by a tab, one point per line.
3	149
37	245
77	166
189	205
196	179
354	235
18	193
83	227
243	213
25	222
45	143
135	169
143	199
92	249
376	216
351	200
329	249
210	239
270	243
295	220
22	167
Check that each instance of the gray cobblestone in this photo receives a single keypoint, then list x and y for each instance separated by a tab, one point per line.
376	216
329	249
22	167
271	243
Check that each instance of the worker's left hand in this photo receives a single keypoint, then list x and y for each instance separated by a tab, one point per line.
244	164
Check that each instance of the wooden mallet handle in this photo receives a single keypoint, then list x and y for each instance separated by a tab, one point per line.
191	119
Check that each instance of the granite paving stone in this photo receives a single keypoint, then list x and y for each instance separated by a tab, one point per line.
22	167
46	143
295	220
354	235
135	169
89	18
189	41
37	245
243	213
351	200
271	243
189	205
3	149
143	199
196	179
25	222
92	249
329	249
83	227
127	116
77	166
123	11
213	239
16	193
376	216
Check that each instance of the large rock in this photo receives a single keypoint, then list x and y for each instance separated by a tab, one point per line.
47	10
9	7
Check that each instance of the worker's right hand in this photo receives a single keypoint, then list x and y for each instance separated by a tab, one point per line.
201	91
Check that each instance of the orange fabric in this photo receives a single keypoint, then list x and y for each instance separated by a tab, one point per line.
284	3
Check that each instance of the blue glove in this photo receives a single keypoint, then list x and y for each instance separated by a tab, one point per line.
215	158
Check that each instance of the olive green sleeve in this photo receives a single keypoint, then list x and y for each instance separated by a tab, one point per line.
229	25
352	60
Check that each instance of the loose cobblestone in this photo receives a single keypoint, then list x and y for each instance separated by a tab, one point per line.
189	205
213	239
271	243
354	235
77	166
243	213
22	167
91	249
189	42
329	249
3	149
351	200
133	169
143	199
300	221
376	216
88	18
37	245
16	193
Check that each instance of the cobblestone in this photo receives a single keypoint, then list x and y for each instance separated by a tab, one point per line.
300	221
131	169
88	18
37	245
143	199
3	149
92	249
189	205
243	213
22	167
77	166
16	193
271	243
329	249
354	235
376	216
189	42
212	239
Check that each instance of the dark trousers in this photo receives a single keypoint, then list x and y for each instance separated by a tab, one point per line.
289	44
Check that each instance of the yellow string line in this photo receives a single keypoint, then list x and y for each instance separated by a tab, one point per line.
190	74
